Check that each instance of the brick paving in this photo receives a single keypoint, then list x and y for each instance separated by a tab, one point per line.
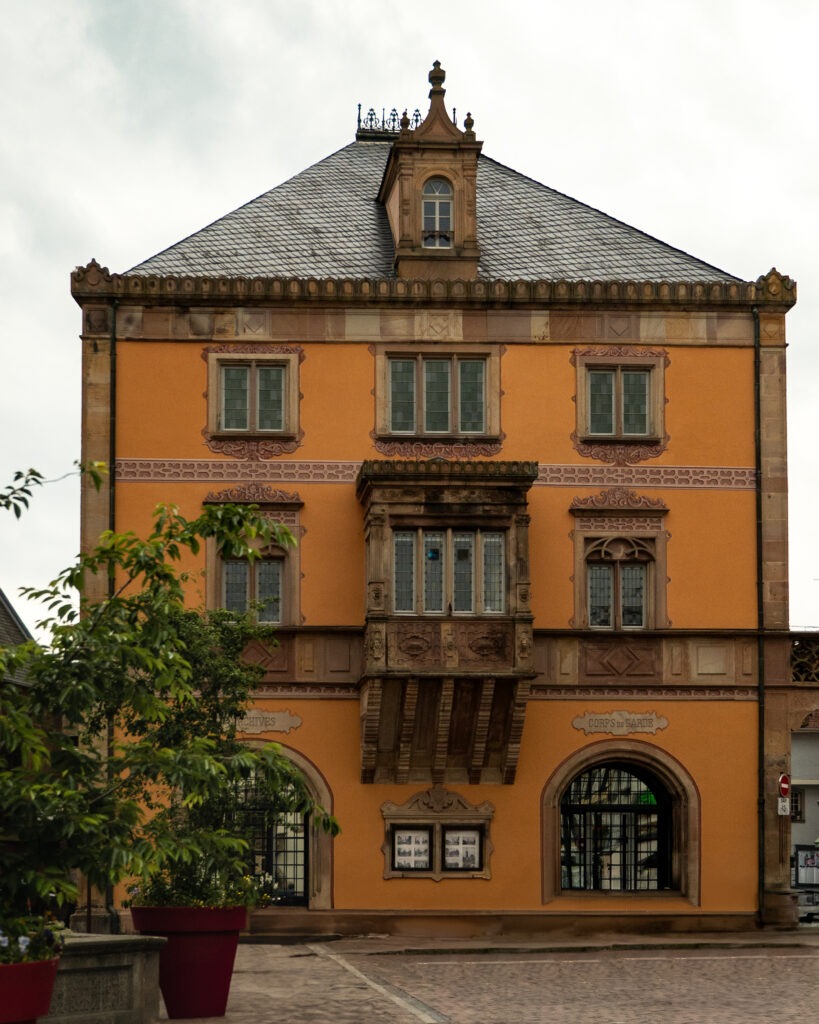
755	978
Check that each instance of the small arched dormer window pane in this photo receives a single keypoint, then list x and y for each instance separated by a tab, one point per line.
437	214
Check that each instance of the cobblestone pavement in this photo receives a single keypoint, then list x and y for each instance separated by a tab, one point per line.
358	982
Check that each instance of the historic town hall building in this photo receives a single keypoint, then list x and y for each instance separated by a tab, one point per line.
534	648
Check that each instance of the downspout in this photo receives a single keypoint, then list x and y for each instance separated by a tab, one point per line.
113	916
760	625
112	426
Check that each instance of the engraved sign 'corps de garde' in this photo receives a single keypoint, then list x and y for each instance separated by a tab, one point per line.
620	723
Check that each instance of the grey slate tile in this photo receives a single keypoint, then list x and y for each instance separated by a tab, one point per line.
325	222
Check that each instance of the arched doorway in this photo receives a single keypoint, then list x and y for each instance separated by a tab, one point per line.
279	847
289	853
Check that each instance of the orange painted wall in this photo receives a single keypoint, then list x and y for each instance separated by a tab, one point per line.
714	741
709	418
162	408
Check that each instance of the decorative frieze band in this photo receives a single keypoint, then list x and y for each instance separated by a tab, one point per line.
205	470
717	477
543	691
308	691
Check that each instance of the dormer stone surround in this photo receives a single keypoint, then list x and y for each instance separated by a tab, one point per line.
437	148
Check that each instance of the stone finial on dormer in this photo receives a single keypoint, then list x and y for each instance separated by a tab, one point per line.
429	192
437	77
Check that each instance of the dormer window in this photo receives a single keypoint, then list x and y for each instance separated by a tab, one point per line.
437	211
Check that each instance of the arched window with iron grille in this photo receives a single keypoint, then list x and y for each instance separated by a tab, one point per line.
616	830
279	848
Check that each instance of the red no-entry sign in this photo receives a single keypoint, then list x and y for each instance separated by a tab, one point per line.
784	785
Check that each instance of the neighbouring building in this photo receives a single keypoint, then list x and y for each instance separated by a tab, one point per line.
13	631
534	648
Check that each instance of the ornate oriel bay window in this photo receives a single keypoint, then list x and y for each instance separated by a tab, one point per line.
448	641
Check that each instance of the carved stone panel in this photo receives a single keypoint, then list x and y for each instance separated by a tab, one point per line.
414	644
621	659
484	643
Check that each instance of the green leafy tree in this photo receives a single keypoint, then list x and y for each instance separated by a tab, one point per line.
118	756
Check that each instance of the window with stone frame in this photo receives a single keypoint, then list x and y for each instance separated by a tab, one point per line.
449	571
266	586
436	214
437	834
620	572
434	394
620	394
621	816
253	392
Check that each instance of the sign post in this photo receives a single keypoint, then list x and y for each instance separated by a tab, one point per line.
784	801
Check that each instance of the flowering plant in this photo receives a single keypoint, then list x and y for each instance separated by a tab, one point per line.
24	939
268	890
192	888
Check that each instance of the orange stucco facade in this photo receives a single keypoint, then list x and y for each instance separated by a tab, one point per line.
449	728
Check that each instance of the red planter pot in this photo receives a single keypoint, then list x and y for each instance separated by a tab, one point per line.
196	963
25	990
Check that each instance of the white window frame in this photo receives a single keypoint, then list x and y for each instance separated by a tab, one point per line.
437	204
418	594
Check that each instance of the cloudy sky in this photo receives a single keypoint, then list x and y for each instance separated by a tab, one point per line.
127	126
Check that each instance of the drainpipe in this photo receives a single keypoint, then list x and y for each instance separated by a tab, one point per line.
113	916
112	425
760	625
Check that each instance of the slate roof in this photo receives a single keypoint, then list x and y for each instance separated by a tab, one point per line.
12	629
325	222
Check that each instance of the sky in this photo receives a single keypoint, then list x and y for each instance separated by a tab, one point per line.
128	126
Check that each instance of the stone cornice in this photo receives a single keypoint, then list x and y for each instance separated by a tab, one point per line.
437	472
94	283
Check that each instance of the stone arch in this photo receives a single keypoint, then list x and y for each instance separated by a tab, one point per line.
679	785
319	842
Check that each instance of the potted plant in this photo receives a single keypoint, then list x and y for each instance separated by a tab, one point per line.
201	919
30	950
119	733
198	881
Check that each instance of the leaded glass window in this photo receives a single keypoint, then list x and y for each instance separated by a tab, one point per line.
433	395
617	580
253	586
252	397
453	571
618	402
